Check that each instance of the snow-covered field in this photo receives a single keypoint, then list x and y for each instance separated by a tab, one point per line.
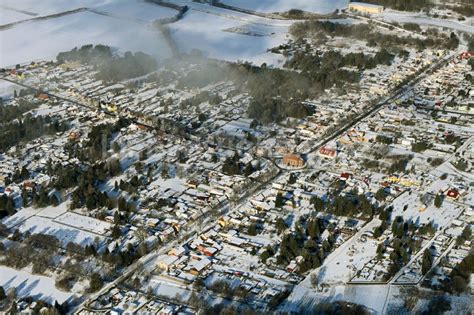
342	264
64	233
268	6
44	39
126	25
222	38
54	212
7	89
84	223
10	16
68	227
27	284
404	17
47	7
136	10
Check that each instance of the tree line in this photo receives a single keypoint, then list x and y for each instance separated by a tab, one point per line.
319	29
111	67
29	128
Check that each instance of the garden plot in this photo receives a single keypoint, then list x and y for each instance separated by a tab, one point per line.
237	258
166	289
19	217
63	233
53	212
7	89
84	223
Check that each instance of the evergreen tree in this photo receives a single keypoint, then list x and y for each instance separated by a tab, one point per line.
165	171
280	225
95	282
292	179
2	293
427	261
279	200
116	233
248	170
438	201
252	229
10	206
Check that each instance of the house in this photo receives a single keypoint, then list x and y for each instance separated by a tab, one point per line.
74	136
345	176
293	160
208	251
152	222
166	262
42	96
197	266
292	266
452	194
177	251
327	153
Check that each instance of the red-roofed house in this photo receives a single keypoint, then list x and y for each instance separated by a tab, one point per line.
452	193
327	153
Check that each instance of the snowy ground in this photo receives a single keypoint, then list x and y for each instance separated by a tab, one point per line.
33	40
218	33
404	17
47	7
54	212
84	223
7	89
227	38
268	6
10	16
342	264
417	212
135	10
64	233
27	284
66	226
373	297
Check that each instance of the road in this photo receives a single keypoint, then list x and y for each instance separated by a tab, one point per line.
387	100
199	227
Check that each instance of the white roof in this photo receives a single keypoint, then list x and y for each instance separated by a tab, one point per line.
366	4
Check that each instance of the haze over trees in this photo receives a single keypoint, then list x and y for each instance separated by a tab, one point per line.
111	67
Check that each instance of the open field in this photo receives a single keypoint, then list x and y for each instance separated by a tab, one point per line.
269	6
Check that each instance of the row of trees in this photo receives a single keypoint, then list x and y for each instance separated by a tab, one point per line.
29	128
333	61
10	113
319	29
460	276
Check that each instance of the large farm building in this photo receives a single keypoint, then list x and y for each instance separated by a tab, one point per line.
365	7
